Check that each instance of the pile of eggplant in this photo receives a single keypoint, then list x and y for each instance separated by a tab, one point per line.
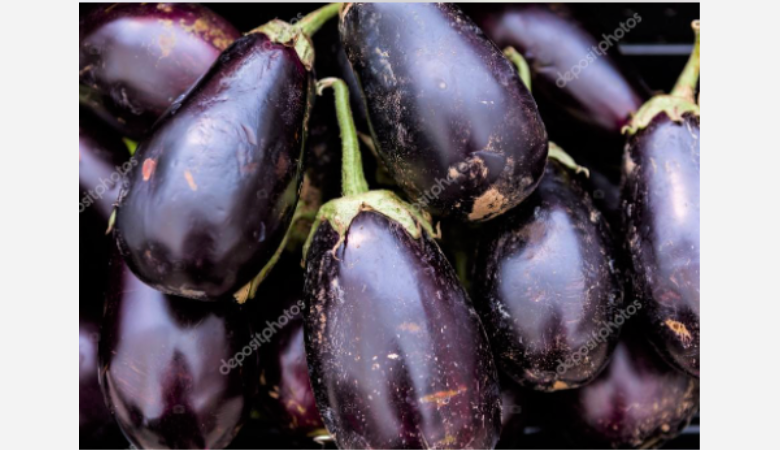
373	226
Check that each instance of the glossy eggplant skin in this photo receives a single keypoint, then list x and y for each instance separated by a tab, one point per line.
661	207
547	284
397	355
216	184
553	42
136	59
638	402
165	366
285	392
450	117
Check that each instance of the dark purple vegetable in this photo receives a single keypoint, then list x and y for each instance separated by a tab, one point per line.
285	391
169	367
548	288
215	189
602	94
97	428
397	355
638	402
661	204
136	59
455	126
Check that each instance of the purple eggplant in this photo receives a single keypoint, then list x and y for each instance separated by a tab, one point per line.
97	428
136	59
169	367
285	390
603	94
454	125
216	184
661	206
398	357
638	402
548	288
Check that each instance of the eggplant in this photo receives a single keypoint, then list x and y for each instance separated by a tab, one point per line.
136	59
101	154
551	39
169	367
660	209
548	288
397	355
216	186
585	92
452	122
638	402
97	428
285	393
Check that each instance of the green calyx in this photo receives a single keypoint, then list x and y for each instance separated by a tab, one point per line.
298	36
682	99
281	32
341	212
673	107
562	157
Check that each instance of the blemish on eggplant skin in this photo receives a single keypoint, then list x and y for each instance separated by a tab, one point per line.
190	180
149	167
490	204
680	330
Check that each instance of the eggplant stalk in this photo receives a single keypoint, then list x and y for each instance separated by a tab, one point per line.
689	78
352	177
316	19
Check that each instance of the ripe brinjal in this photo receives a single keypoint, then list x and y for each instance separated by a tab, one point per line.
454	125
285	391
548	289
638	402
97	428
136	59
398	357
556	46
168	366
661	205
216	184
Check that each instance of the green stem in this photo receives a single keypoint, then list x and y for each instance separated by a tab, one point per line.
562	157
686	84
353	181
316	19
521	64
